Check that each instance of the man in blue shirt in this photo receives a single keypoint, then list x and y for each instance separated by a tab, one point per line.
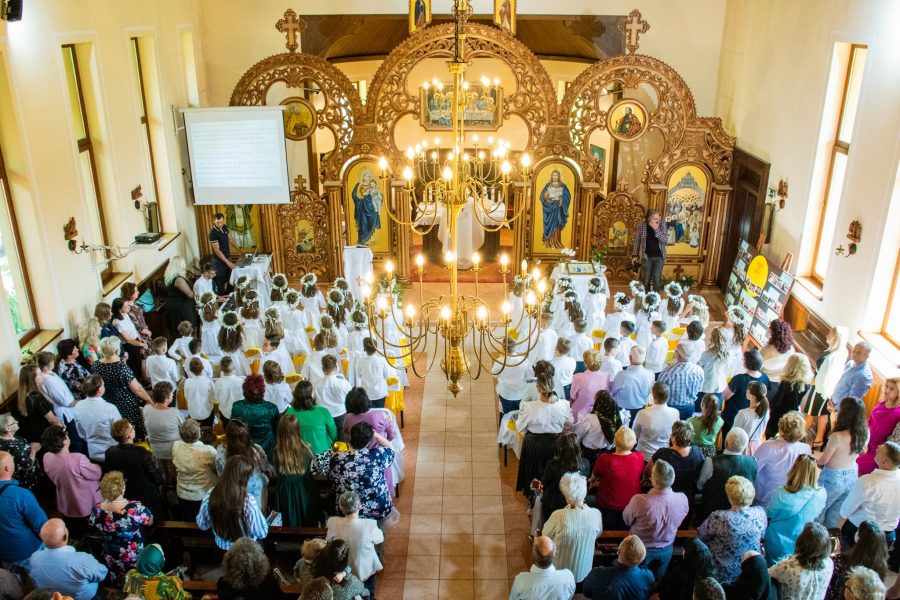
221	259
631	387
625	579
21	517
60	567
857	376
685	380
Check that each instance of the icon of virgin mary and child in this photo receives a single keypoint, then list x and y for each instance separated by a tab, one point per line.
555	200
367	199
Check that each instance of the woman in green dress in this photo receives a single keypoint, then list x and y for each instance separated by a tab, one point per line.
295	496
147	580
261	417
316	423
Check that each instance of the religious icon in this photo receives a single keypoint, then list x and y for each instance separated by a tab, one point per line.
240	220
299	118
505	15
367	200
363	203
598	154
305	237
553	208
419	14
686	210
618	238
482	110
626	120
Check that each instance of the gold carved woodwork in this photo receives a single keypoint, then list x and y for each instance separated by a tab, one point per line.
303	231
616	213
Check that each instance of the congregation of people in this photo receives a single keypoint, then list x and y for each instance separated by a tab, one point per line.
730	471
245	421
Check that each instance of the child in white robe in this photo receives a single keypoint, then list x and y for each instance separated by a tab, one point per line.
644	318
595	305
228	388
674	305
614	320
278	392
231	340
179	349
253	330
312	300
209	328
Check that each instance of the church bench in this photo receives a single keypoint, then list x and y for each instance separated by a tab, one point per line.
155	282
607	543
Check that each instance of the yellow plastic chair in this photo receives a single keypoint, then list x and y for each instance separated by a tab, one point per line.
344	361
670	355
145	446
394	401
673	344
293	379
181	400
598	335
299	361
679	331
633	336
250	353
513	334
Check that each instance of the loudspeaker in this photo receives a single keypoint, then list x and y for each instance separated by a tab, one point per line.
153	213
13	10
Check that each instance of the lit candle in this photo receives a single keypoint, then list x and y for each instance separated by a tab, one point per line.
530	298
420	261
408	174
445	313
504	262
481	313
369	277
524	266
382	164
389	268
410	312
382	304
506	307
448	257
448	174
542	287
476	258
526	161
536	274
367	291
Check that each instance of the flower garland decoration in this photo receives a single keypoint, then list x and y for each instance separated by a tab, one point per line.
565	282
568	252
335	297
359	318
326	322
341	284
272	316
736	314
309	280
595	286
651	301
292	297
251	297
673	290
697	301
621	299
637	288
280	282
230	321
242	282
206	298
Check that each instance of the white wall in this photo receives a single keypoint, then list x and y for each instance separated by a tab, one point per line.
772	82
41	154
686	34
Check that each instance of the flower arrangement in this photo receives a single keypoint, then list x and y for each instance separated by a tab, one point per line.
637	288
673	290
568	253
651	301
280	282
309	280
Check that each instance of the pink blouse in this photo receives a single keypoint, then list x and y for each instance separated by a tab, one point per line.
77	482
585	386
881	424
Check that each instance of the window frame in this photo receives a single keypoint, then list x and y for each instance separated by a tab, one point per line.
838	146
145	122
893	296
28	335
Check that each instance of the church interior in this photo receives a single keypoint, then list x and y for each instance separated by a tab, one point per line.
463	189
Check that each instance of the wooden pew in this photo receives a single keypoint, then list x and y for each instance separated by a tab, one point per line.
154	282
608	542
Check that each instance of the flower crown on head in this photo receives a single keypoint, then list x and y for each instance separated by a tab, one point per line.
651	301
621	299
272	315
566	283
335	297
341	284
207	298
359	318
673	290
230	316
309	280
697	301
637	288
280	282
251	297
326	322
292	297
735	314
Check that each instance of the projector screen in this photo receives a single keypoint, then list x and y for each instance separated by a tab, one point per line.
237	155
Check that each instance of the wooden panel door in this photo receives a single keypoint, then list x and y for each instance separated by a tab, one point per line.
743	219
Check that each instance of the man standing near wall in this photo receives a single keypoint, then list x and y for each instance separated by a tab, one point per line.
218	239
648	247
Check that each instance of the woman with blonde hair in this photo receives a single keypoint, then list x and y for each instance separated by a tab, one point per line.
33	412
794	504
295	497
617	478
733	532
120	522
828	371
89	337
795	385
180	303
715	362
776	456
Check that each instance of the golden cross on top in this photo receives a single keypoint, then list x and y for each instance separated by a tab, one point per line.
633	27
301	183
292	27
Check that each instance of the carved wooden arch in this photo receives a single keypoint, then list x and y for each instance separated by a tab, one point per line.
305	206
619	206
342	109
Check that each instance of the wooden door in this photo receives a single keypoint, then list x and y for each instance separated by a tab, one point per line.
743	220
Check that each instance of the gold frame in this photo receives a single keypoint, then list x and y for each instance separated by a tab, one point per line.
312	111
610	127
412	12
498	21
496	121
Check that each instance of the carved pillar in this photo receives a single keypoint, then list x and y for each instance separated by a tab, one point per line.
522	225
402	233
585	220
715	235
270	234
204	215
336	238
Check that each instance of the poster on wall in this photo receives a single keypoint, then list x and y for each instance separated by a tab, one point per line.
553	209
244	224
685	210
363	205
759	289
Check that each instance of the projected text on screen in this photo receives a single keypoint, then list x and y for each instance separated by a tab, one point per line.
236	153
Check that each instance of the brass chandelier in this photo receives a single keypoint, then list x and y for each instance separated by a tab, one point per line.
482	179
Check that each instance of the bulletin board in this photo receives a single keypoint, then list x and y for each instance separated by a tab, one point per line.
759	289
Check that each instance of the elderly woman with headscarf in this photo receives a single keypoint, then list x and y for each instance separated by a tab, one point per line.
148	580
574	528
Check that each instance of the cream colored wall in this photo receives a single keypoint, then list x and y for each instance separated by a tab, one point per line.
686	34
40	149
774	71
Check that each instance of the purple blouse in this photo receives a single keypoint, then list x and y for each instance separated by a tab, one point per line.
379	420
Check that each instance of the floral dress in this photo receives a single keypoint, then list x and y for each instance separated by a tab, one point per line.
140	323
73	374
157	587
27	471
123	539
363	471
730	533
116	378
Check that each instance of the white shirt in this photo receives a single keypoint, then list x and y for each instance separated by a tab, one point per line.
203	285
754	425
580	344
624	351
93	419
196	467
372	371
656	354
331	392
543	584
875	496
312	368
162	368
227	390
715	373
58	393
611	365
281	356
179	348
126	327
511	379
278	394
199	394
544	417
564	370
613	325
590	434
695	347
361	536
653	427
355	340
545	346
207	366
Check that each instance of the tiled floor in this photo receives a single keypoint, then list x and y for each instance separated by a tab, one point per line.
463	531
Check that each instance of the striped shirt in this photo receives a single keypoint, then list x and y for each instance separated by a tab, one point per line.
639	243
256	527
685	380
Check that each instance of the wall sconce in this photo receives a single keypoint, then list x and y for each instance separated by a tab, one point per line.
70	231
778	197
854	235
